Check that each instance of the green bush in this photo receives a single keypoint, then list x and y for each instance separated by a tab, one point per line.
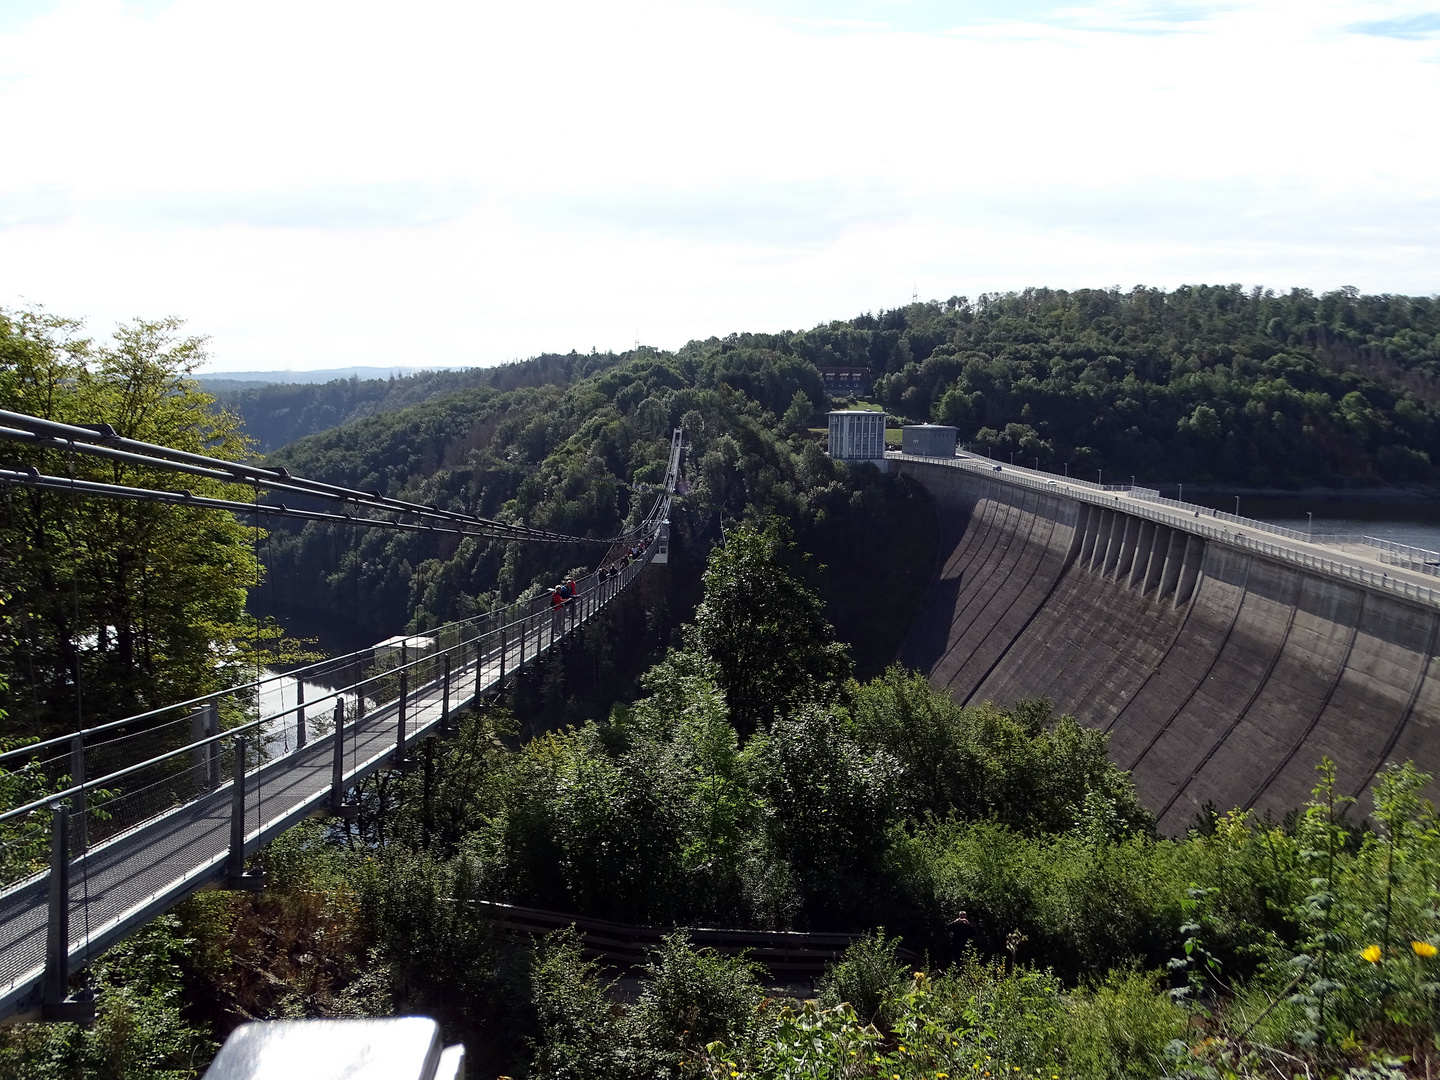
1118	1030
691	998
140	1029
868	977
581	1036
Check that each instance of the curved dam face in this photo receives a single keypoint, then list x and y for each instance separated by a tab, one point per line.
1222	675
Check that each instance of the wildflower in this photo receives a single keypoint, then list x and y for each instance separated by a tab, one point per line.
1423	948
1371	953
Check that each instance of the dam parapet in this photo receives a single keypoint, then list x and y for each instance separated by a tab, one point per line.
1224	657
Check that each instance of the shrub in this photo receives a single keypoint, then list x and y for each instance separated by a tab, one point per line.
868	978
580	1032
692	997
1118	1030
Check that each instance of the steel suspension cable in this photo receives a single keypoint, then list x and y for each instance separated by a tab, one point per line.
102	440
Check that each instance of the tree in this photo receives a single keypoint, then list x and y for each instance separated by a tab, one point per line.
765	631
117	605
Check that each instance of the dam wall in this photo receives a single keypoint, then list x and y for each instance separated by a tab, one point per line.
1222	673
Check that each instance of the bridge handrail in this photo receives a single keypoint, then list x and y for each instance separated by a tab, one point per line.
335	694
482	631
313	668
646	528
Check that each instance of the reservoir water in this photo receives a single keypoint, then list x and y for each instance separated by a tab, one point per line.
1408	521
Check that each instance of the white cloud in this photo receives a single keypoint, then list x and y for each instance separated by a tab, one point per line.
315	182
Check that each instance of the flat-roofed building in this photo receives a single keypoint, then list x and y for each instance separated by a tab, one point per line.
928	440
857	435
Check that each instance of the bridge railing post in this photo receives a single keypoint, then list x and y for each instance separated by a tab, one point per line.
445	698
300	714
235	876
77	777
57	929
500	682
212	728
200	756
404	702
337	765
56	1004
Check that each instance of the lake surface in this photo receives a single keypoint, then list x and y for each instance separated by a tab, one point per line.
1408	521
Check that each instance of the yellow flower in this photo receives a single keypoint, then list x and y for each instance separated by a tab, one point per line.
1371	953
1423	948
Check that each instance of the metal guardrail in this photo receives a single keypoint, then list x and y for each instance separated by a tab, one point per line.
790	953
1202	521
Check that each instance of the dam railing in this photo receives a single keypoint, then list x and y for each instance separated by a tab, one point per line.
1213	525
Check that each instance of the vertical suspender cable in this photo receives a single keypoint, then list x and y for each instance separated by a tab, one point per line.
80	726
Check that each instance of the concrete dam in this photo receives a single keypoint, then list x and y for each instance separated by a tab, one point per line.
1224	663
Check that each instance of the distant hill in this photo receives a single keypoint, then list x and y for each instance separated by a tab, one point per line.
231	380
279	412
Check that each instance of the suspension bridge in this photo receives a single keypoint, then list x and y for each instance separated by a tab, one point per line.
154	807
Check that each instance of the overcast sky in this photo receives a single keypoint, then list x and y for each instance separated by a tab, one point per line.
318	183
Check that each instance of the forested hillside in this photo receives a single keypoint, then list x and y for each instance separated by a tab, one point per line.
583	459
1205	383
728	746
278	413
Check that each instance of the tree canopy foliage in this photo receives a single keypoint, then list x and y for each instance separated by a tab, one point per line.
765	632
275	414
1205	383
116	606
585	458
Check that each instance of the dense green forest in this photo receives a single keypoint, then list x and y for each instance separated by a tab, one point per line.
730	746
1206	383
106	607
582	458
275	414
